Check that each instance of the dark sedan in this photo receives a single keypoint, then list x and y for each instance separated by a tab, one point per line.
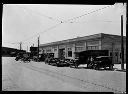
63	62
54	61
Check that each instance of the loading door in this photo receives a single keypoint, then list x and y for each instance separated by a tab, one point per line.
62	53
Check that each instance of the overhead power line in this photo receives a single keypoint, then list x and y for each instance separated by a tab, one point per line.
40	14
74	18
42	31
26	9
116	22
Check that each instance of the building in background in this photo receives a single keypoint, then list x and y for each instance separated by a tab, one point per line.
6	51
101	41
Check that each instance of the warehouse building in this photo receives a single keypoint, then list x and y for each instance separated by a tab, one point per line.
101	41
7	51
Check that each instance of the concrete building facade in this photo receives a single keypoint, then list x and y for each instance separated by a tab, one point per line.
101	41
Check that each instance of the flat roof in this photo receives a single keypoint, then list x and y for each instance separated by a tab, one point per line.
78	39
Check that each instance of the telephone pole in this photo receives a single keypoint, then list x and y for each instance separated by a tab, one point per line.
20	46
27	48
38	47
122	45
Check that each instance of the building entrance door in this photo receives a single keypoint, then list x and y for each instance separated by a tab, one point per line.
62	53
116	57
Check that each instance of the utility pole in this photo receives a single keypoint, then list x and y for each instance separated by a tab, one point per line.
20	46
38	47
122	45
112	54
27	48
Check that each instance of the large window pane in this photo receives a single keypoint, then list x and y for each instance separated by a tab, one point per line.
69	53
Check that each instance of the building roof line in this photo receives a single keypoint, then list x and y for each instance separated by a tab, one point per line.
73	39
78	39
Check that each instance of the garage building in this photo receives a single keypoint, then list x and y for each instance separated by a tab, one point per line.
101	41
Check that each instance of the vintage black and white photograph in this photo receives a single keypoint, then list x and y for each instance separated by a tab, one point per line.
64	47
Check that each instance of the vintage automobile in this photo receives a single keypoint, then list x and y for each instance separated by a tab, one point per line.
68	61
19	56
26	57
84	57
23	57
48	57
102	62
41	57
47	60
53	61
35	58
74	62
63	62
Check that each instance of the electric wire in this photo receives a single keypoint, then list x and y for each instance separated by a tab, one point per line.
85	14
116	22
40	14
70	19
59	21
42	32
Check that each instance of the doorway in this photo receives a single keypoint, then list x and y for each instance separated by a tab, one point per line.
62	53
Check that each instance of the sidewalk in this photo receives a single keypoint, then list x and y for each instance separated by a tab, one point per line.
117	67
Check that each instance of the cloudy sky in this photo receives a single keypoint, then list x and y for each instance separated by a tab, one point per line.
24	23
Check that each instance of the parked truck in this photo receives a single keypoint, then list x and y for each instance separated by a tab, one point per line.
86	57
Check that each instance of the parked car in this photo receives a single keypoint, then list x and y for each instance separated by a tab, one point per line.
42	57
35	58
62	62
26	57
102	62
54	61
84	57
18	58
48	57
68	61
74	62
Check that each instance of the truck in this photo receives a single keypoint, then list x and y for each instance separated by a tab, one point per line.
85	57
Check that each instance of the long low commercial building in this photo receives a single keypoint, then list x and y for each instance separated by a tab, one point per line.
101	41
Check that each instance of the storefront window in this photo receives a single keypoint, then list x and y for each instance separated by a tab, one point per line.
69	53
92	47
110	53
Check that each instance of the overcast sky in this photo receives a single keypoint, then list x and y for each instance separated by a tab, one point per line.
24	23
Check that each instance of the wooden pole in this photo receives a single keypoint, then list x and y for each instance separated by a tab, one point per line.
38	47
122	45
